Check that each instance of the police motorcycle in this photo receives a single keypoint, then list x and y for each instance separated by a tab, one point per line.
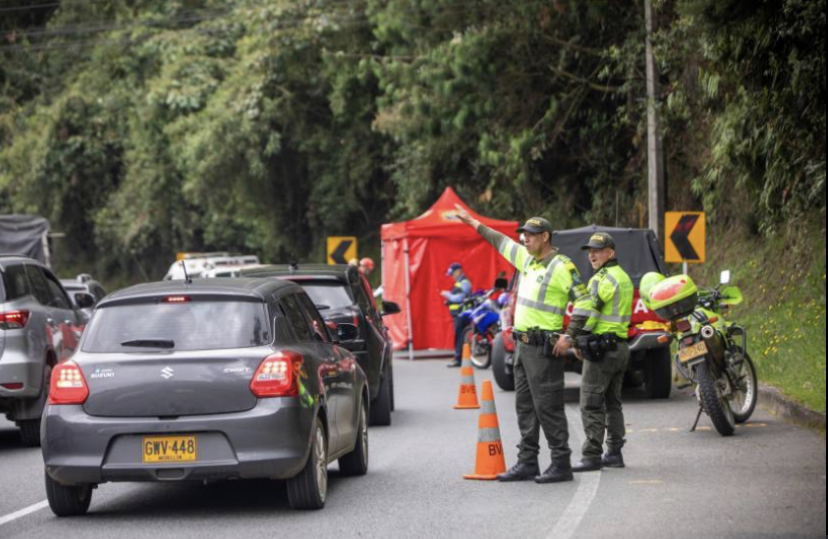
483	324
712	353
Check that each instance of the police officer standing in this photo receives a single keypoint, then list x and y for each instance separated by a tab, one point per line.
598	328
456	299
548	282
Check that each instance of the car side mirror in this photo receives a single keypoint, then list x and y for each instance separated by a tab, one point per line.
346	332
84	300
389	307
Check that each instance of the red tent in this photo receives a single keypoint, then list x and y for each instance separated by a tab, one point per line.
415	257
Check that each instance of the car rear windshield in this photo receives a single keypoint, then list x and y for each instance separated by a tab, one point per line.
194	325
332	295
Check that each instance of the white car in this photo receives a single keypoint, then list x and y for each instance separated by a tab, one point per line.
198	265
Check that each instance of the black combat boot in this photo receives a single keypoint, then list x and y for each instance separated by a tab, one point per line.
558	472
613	459
454	364
521	471
588	464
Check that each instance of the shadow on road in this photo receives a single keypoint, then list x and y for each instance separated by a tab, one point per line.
215	501
10	440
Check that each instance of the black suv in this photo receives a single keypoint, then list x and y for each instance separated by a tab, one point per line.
342	295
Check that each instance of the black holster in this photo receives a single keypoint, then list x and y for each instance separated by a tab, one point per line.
594	347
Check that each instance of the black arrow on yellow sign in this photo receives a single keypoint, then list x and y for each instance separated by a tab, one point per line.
680	237
338	255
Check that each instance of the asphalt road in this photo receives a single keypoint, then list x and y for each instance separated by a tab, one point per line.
768	481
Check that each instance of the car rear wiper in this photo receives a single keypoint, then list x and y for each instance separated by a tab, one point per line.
323	307
150	343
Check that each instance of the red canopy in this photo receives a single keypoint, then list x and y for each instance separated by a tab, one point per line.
415	257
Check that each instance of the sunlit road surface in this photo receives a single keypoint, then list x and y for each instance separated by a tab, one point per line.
767	481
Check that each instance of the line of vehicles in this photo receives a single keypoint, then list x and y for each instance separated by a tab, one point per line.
279	371
207	379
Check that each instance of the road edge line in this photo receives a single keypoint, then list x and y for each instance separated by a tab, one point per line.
23	512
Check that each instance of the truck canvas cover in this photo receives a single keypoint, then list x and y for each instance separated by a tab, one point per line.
23	235
637	248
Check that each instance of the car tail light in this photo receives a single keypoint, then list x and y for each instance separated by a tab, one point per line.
14	319
12	386
276	376
68	385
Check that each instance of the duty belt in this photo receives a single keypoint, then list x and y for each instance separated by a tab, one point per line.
535	337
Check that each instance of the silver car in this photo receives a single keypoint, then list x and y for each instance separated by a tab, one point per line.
205	380
39	328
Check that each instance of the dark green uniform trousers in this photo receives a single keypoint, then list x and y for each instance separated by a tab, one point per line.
601	402
539	399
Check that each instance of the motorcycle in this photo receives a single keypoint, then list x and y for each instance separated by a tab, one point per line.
712	352
483	323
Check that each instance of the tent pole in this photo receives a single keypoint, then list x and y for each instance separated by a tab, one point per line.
408	301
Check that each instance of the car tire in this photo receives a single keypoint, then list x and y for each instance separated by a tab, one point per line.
393	402
30	432
658	375
355	463
504	379
68	501
381	407
309	489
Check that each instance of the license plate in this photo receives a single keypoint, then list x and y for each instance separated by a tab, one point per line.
157	449
692	352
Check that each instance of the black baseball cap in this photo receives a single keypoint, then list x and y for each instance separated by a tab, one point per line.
600	240
535	225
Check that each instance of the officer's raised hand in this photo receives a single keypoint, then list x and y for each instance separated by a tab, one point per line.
465	217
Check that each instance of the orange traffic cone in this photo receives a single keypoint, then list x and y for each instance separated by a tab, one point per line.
490	460
467	399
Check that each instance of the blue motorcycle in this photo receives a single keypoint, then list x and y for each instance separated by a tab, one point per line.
482	324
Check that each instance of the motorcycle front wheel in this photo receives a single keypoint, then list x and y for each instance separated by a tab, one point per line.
745	395
716	407
481	356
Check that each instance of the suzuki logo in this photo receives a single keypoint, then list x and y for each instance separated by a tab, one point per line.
167	373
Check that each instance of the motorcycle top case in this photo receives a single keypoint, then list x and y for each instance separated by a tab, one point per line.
674	297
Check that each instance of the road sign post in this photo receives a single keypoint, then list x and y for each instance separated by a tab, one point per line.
341	249
684	237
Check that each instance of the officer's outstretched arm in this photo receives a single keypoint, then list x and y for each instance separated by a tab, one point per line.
515	253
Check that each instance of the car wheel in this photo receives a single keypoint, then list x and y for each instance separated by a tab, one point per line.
393	402
68	501
309	489
356	462
381	407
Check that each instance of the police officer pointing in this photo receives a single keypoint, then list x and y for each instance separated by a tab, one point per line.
599	327
548	282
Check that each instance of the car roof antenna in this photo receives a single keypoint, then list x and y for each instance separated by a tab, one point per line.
187	278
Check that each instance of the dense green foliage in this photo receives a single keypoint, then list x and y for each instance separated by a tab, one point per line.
145	127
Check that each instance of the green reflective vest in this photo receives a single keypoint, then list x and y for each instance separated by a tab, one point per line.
546	287
609	302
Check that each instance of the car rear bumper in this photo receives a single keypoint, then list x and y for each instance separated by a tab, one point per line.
269	441
17	367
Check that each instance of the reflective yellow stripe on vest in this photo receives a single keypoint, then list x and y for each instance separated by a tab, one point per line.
544	291
610	302
457	289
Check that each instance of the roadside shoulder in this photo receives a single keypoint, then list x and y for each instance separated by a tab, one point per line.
774	401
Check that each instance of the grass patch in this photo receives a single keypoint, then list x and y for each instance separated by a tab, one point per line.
783	281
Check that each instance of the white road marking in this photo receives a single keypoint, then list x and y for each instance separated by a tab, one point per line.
23	512
571	518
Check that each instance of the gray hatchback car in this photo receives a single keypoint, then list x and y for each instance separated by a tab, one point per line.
202	381
39	327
